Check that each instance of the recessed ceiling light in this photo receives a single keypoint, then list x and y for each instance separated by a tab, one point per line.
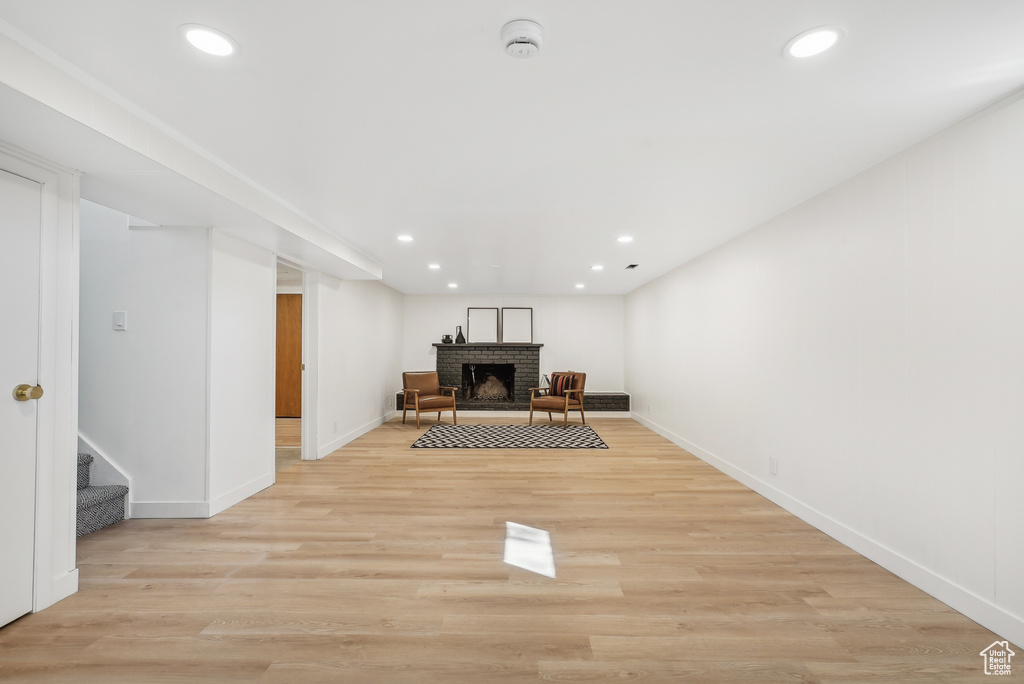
453	285
625	238
434	267
580	286
209	40
405	238
814	42
597	267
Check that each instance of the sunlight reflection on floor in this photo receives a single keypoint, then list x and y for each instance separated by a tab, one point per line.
529	548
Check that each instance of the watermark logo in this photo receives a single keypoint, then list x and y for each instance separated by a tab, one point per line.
997	658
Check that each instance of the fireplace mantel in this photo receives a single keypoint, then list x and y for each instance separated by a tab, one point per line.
510	345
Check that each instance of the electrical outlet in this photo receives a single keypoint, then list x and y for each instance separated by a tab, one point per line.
335	427
650	409
773	464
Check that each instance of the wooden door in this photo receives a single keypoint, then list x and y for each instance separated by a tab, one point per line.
289	356
20	229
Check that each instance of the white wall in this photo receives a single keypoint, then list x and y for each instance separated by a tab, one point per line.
581	332
143	391
359	343
871	341
243	326
182	402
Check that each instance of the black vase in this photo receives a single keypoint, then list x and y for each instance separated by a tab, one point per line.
459	337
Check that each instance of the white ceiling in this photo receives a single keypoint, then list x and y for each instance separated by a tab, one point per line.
678	122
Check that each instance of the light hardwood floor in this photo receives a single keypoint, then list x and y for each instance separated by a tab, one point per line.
287	442
382	563
287	432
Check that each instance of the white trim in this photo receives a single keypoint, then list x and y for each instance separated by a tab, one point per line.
65	585
54	575
109	471
241	493
339	442
208	372
311	365
170	509
956	597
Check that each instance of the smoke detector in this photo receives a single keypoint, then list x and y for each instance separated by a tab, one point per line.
522	38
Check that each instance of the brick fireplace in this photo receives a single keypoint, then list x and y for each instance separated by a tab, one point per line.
491	376
498	377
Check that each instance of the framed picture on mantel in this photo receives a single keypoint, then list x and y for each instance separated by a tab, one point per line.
517	324
482	325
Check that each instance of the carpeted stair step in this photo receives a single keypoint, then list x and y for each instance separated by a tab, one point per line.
99	506
84	466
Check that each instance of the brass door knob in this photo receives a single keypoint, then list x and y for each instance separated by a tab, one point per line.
26	392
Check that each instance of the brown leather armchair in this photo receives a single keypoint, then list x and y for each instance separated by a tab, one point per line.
423	392
565	394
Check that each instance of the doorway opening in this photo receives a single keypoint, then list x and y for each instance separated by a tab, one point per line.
288	398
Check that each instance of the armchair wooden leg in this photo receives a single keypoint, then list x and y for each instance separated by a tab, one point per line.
531	414
455	420
404	409
583	417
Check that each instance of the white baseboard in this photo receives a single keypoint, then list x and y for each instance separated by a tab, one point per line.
476	414
980	610
65	585
170	509
339	442
241	493
60	588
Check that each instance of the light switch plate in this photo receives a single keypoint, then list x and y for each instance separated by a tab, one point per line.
120	320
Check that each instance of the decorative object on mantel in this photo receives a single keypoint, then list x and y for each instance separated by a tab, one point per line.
459	337
446	339
516	324
482	325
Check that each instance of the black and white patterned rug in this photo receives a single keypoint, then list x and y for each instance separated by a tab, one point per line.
509	437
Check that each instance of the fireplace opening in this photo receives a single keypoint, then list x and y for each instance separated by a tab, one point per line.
488	381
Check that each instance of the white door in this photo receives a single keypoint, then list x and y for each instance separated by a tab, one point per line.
20	225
